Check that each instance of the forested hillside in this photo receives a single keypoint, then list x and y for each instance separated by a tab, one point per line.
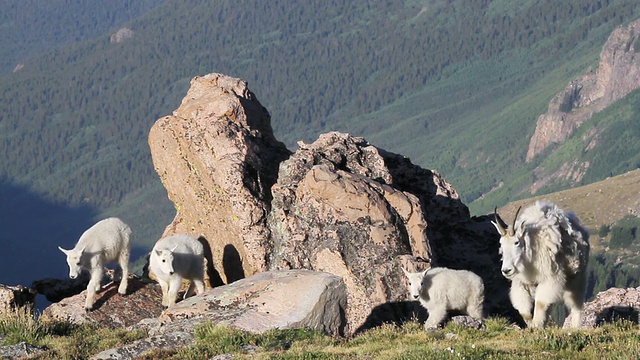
31	27
455	85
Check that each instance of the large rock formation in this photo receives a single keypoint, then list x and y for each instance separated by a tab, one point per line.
217	157
340	205
618	74
343	206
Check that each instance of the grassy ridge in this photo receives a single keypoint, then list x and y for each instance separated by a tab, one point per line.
410	341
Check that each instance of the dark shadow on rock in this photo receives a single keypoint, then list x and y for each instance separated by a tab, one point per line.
110	290
232	264
616	313
396	313
55	290
214	276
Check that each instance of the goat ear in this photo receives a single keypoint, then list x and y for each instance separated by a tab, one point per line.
63	250
158	252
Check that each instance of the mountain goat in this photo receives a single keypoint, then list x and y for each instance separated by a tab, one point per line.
104	242
173	259
545	254
441	289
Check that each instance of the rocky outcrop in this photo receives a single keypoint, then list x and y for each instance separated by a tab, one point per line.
143	300
617	75
610	305
339	205
12	297
121	35
217	158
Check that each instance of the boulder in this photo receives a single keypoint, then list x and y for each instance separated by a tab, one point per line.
610	305
12	297
217	158
143	300
288	299
55	290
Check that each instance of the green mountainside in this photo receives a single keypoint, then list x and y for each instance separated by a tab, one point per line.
455	85
30	27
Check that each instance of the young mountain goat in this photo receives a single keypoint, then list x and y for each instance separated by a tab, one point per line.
173	259
106	241
545	254
441	289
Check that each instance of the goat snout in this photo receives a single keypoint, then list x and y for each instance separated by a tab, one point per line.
415	297
507	271
170	272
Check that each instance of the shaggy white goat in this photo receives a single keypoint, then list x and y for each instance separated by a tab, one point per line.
441	289
173	259
104	242
545	254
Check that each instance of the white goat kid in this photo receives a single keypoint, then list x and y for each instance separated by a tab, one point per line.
106	241
545	254
440	290
173	259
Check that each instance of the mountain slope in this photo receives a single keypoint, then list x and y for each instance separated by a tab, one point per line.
455	85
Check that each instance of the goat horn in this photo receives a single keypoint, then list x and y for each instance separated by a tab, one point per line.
512	230
497	224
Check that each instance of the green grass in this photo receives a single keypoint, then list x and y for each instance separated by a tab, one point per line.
499	340
62	340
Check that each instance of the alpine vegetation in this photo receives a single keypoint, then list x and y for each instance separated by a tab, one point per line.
545	254
173	259
106	241
440	290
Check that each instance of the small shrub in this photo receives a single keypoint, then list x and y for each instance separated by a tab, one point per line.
19	325
496	325
624	232
604	231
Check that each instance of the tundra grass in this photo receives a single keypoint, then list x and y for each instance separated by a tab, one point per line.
498	340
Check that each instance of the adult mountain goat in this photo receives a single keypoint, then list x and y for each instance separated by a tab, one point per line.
106	241
545	254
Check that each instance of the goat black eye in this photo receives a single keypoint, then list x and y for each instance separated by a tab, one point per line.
517	243
164	260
